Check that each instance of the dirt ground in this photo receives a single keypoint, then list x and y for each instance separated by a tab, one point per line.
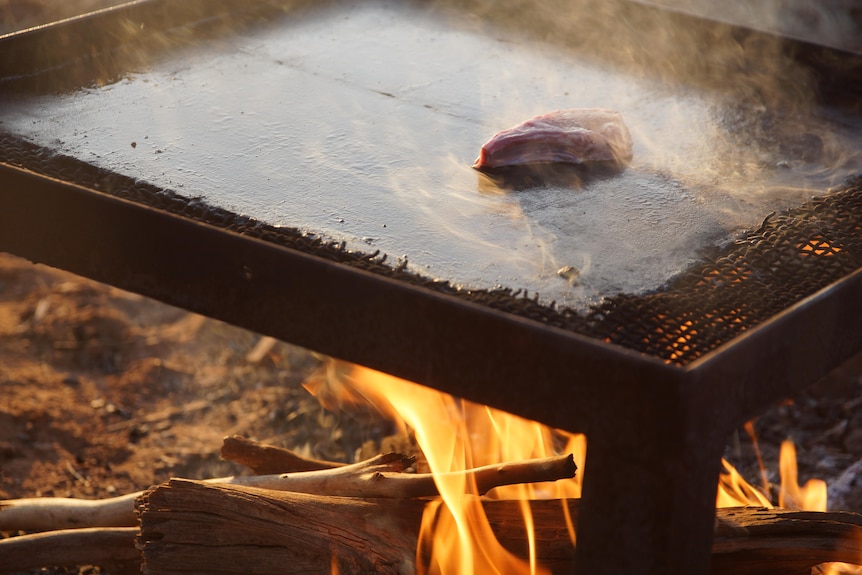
103	392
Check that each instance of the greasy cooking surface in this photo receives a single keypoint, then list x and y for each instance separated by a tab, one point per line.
360	121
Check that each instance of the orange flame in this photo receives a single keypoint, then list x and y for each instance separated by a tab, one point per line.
455	435
837	568
735	491
810	497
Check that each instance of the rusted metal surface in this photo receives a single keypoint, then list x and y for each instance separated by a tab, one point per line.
655	429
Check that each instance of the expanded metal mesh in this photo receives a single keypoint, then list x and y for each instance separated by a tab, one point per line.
791	256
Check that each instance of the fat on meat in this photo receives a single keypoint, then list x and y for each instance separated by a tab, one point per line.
572	136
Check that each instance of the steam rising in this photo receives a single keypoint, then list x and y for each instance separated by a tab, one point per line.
359	121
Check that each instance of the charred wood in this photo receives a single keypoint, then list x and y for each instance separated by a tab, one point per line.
193	526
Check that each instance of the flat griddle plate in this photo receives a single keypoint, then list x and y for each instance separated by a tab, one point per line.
359	121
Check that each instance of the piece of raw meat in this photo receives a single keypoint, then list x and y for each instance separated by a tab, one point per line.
572	136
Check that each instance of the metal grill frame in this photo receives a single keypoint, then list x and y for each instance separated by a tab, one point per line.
653	428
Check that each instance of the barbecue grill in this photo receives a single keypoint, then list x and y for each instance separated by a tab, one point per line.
337	211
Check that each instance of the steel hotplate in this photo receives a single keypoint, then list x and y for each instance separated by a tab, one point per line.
257	162
313	122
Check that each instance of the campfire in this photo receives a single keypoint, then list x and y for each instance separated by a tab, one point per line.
482	491
649	350
454	436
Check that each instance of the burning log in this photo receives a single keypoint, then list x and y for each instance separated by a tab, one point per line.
194	526
758	541
191	526
378	477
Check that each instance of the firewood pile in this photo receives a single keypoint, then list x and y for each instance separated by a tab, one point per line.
298	515
134	394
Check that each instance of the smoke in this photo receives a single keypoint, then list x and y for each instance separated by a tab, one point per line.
670	46
359	121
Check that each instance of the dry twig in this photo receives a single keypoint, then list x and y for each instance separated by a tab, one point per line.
109	547
378	477
268	459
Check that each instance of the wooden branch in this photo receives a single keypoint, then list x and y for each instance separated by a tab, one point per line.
268	459
46	513
758	541
381	477
112	548
367	515
191	526
378	477
283	532
194	526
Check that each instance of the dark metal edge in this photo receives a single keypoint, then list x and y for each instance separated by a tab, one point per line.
516	364
101	46
111	42
779	357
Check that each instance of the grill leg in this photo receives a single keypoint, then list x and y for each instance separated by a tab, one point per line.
648	506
